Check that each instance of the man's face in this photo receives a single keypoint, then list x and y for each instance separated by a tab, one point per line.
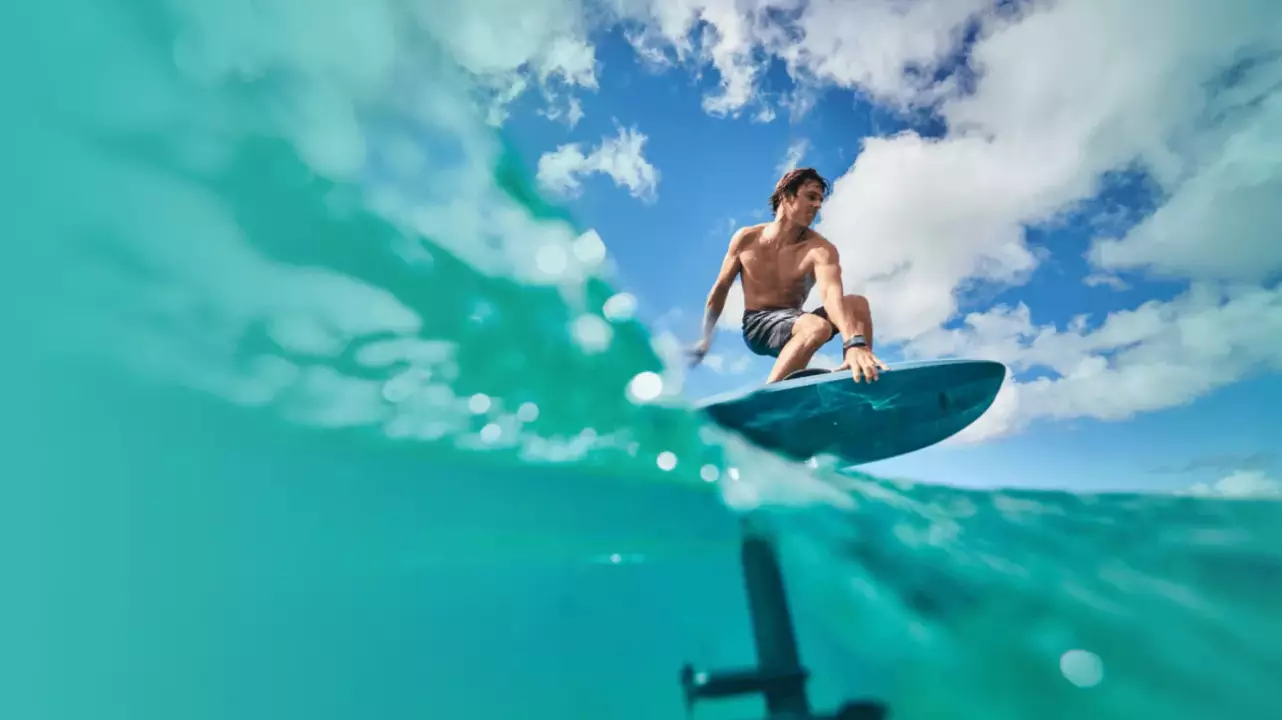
806	204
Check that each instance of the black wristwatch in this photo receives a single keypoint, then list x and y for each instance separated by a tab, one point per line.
854	341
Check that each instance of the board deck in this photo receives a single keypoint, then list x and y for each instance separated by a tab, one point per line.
813	412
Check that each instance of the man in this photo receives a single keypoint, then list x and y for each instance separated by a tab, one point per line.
780	262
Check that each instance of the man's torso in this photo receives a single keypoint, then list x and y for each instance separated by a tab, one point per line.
776	272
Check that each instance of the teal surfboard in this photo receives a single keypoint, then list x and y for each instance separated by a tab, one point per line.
813	412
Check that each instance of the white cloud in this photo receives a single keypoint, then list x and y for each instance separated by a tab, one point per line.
1156	356
872	44
621	158
916	218
796	151
1243	484
1105	280
1221	221
571	113
732	312
919	218
726	39
888	48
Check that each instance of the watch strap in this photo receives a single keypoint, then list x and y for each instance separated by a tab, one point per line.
854	341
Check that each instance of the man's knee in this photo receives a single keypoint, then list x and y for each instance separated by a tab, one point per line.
857	303
812	332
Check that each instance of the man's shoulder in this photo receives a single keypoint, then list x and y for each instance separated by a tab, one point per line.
817	241
746	234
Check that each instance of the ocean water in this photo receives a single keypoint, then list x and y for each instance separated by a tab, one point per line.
315	409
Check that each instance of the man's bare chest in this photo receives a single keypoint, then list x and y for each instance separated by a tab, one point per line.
779	267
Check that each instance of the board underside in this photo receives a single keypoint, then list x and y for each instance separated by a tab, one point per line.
911	406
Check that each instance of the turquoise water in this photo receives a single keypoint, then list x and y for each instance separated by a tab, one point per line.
313	410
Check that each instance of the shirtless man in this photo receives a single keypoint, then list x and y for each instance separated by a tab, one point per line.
780	261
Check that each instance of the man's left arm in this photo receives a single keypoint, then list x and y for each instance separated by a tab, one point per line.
828	278
860	360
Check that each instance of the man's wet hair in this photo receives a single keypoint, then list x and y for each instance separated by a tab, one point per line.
792	181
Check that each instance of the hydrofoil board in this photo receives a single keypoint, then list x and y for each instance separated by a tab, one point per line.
816	411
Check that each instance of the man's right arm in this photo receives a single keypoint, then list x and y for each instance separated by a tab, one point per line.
730	267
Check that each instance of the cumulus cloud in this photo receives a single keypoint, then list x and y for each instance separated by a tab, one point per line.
732	312
1244	484
887	48
723	33
922	217
1219	221
1156	356
621	158
570	114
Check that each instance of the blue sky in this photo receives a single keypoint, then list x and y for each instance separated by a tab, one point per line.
1105	235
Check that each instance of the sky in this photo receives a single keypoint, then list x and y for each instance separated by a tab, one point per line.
1083	190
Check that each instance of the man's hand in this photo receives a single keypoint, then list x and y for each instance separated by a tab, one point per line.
698	351
863	364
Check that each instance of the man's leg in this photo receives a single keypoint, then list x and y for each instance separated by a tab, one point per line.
809	333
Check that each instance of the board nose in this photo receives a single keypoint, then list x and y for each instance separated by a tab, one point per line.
980	390
991	372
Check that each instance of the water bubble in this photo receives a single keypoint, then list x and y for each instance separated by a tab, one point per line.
491	433
733	473
528	412
667	460
645	386
592	333
479	403
619	558
1082	668
482	312
709	473
551	260
589	249
620	307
